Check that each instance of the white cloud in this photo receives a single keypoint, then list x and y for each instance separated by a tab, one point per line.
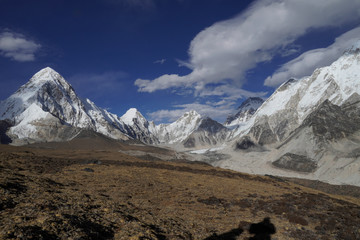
160	61
225	51
17	47
306	63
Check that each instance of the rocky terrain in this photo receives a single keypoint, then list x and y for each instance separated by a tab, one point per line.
68	191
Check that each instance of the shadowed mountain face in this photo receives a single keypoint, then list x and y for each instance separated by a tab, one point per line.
4	127
326	129
308	126
46	107
245	111
209	133
330	122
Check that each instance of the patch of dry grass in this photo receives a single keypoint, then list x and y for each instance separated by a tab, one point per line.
82	194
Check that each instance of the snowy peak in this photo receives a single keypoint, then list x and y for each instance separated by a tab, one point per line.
138	127
251	103
180	129
294	100
133	116
47	98
245	111
44	89
189	117
47	76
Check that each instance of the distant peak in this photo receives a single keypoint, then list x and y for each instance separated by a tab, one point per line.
48	74
131	114
131	111
191	113
46	70
253	102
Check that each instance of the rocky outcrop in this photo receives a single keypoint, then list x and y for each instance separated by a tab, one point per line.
295	162
209	133
4	127
245	111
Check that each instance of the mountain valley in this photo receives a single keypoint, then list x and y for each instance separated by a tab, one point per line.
72	170
88	189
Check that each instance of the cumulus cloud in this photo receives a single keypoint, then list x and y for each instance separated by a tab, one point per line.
17	47
225	51
306	63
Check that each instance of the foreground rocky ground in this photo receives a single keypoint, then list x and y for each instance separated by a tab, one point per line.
107	194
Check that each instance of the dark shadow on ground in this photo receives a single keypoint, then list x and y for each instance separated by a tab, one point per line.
230	235
262	231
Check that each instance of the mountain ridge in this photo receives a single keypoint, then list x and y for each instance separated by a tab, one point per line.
48	98
307	127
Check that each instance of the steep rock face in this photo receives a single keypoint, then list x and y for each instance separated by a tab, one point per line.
179	130
4	127
330	122
137	127
47	102
209	133
245	111
293	101
329	131
296	162
308	128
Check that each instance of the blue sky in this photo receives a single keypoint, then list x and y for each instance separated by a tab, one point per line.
166	57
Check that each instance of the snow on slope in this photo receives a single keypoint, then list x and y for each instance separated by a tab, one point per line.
140	128
47	92
289	105
133	116
314	118
245	112
179	130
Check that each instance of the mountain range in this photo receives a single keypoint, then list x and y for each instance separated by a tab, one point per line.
309	127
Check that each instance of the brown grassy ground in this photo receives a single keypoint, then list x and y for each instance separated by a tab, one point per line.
76	193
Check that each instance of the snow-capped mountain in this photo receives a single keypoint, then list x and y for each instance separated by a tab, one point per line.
179	130
47	108
294	100
308	127
138	127
191	130
245	111
208	133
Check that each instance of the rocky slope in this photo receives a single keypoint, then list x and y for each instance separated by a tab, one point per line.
246	110
294	100
179	130
138	127
47	108
208	133
84	194
191	131
309	128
